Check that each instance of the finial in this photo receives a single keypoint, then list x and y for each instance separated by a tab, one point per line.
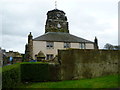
96	42
95	37
55	4
30	34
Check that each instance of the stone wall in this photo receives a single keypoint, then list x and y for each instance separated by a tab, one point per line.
77	63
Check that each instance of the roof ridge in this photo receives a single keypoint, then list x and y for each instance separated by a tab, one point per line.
60	37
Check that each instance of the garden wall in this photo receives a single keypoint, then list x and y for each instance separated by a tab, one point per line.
77	63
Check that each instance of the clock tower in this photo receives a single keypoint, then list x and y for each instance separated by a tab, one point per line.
56	21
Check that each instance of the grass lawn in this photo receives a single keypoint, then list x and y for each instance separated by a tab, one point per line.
110	81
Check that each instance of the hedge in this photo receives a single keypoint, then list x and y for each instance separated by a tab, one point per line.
0	78
11	76
39	72
34	72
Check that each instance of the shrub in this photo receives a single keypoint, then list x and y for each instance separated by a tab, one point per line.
13	75
10	76
0	78
39	72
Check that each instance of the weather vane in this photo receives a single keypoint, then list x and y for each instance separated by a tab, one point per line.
55	4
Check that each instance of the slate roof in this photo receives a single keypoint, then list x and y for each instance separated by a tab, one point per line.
60	37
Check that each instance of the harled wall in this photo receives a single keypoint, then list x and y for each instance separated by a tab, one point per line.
77	63
41	46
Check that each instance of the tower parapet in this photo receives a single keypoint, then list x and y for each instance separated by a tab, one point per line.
56	21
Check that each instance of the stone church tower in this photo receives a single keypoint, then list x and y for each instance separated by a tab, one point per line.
56	21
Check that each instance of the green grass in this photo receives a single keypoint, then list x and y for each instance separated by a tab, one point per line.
110	81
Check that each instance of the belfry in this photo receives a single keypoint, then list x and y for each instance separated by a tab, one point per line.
56	21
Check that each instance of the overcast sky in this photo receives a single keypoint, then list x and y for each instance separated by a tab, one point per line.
87	19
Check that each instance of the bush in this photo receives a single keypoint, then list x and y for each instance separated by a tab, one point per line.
0	78
34	71
13	75
10	76
39	72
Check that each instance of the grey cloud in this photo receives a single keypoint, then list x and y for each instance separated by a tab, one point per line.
14	43
22	23
19	18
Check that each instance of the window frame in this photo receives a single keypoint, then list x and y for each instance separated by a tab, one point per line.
67	45
49	56
82	45
50	45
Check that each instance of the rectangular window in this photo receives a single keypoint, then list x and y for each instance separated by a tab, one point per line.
67	45
49	56
82	46
49	45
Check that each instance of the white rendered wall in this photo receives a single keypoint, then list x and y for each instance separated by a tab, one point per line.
89	46
41	46
75	45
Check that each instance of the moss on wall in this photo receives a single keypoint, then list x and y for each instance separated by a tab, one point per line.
77	63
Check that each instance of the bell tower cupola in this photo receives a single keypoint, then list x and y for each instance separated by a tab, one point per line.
56	21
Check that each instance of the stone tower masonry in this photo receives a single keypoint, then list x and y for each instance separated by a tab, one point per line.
96	43
56	21
29	48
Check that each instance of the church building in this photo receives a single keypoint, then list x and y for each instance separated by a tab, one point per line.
56	37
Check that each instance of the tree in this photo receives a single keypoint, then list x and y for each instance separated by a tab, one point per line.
109	46
112	47
117	47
